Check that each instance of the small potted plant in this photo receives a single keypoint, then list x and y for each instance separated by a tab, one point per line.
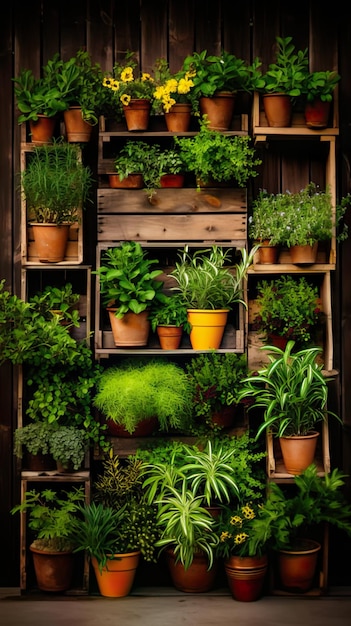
171	168
291	524
288	308
129	284
34	439
169	320
56	186
174	96
283	82
216	158
216	380
318	92
265	226
60	301
292	392
51	516
216	79
131	92
136	398
209	282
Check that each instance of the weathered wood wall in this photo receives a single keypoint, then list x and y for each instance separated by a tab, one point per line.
30	33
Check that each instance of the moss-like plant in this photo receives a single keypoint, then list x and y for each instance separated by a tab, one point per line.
137	391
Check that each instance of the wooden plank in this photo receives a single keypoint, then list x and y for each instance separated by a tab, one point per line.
172	228
172	201
181	24
153	32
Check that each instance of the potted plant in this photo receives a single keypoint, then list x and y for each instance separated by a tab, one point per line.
169	320
68	447
187	536
80	83
118	527
216	80
288	308
139	394
289	524
244	555
138	164
131	92
216	380
60	301
292	391
265	226
56	186
174	96
284	81
217	158
208	282
129	286
34	439
306	218
318	92
51	516
39	102
171	168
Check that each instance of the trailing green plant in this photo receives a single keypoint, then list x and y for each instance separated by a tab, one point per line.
51	517
288	73
69	445
170	161
216	378
34	437
206	279
286	517
288	307
128	280
59	301
215	156
291	390
139	390
171	312
55	184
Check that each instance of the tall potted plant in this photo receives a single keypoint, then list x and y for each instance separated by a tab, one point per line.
56	186
210	285
292	391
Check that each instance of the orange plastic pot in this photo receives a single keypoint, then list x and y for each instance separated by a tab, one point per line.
207	328
116	579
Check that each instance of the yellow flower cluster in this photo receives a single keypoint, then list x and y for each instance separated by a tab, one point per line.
127	87
174	91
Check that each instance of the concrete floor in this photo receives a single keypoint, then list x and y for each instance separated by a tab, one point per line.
172	608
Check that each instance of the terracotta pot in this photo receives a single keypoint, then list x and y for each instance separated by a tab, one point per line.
317	114
178	118
50	241
298	452
246	576
77	129
268	254
278	109
42	130
133	181
53	570
304	255
207	328
277	341
219	109
137	114
196	579
132	330
145	428
297	567
116	579
170	337
172	180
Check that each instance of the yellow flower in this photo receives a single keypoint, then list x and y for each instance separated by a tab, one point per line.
125	99
248	512
225	535
185	85
127	75
241	538
146	77
236	520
